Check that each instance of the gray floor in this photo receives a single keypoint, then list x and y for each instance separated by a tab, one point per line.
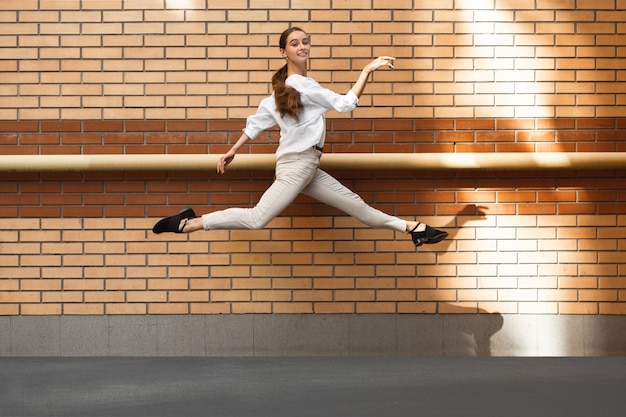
374	386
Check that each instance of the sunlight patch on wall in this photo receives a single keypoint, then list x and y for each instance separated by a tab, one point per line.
510	77
185	4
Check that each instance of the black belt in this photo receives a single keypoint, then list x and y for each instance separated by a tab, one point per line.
319	148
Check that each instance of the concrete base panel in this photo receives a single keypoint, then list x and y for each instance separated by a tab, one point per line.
314	335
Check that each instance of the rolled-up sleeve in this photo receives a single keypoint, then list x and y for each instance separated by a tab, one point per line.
263	119
340	102
324	98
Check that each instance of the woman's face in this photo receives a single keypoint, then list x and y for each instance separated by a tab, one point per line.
297	47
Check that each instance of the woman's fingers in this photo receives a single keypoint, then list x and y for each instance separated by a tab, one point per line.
223	163
382	61
387	60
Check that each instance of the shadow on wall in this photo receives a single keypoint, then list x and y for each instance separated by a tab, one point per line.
469	334
465	331
470	212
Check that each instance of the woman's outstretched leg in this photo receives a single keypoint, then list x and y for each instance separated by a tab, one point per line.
328	190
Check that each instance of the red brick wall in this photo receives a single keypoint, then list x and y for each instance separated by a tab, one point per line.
521	242
154	77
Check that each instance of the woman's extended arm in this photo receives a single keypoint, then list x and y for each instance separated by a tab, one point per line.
228	157
255	124
381	61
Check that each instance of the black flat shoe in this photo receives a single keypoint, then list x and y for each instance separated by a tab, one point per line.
429	236
172	223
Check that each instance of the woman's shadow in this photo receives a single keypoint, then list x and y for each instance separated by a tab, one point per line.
470	212
467	331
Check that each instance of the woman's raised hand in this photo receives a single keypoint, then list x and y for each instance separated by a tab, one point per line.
381	61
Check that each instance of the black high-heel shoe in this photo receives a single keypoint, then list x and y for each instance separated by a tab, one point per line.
172	223
428	236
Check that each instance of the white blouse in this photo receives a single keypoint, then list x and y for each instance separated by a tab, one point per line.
310	131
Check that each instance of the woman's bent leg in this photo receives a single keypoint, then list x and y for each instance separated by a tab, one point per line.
328	190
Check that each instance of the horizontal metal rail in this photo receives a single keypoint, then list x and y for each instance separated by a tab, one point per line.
339	161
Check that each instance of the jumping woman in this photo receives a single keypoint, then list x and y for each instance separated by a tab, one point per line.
297	105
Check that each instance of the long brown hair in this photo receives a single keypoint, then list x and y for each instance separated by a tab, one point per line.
287	98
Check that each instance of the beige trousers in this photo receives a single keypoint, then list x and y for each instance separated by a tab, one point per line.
299	173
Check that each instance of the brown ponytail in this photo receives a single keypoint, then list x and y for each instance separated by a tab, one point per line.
287	98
